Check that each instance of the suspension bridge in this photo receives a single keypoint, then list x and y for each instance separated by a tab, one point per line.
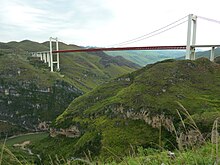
52	56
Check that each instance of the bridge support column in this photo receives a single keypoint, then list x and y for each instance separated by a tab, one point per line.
41	56
212	55
44	58
191	38
48	59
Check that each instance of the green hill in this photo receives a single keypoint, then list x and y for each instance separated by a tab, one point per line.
30	94
92	69
139	109
84	70
205	54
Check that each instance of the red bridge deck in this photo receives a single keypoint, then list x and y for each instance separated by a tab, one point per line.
123	48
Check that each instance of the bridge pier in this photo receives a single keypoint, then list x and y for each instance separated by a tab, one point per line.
41	57
48	59
212	55
44	57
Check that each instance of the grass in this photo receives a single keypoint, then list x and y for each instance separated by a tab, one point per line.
33	137
199	155
196	155
16	155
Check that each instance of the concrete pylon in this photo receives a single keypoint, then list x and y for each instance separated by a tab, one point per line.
57	54
51	55
191	37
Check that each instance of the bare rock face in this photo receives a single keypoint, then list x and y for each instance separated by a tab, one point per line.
155	121
71	132
22	145
43	126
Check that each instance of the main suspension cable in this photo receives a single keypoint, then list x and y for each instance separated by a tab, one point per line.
146	35
209	19
154	34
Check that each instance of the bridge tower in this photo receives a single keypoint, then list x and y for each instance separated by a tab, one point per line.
51	54
191	37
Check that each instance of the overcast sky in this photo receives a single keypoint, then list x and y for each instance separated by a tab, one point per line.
106	22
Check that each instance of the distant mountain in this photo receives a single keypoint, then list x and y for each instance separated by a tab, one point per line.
92	69
144	57
31	96
217	59
139	109
207	53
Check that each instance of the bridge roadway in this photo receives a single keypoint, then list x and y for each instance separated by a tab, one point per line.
123	48
47	56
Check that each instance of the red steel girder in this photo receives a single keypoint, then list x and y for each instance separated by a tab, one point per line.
123	48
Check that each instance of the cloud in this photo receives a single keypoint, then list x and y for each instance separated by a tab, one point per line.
102	22
17	15
50	17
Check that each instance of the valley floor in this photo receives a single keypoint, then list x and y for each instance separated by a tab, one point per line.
207	153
